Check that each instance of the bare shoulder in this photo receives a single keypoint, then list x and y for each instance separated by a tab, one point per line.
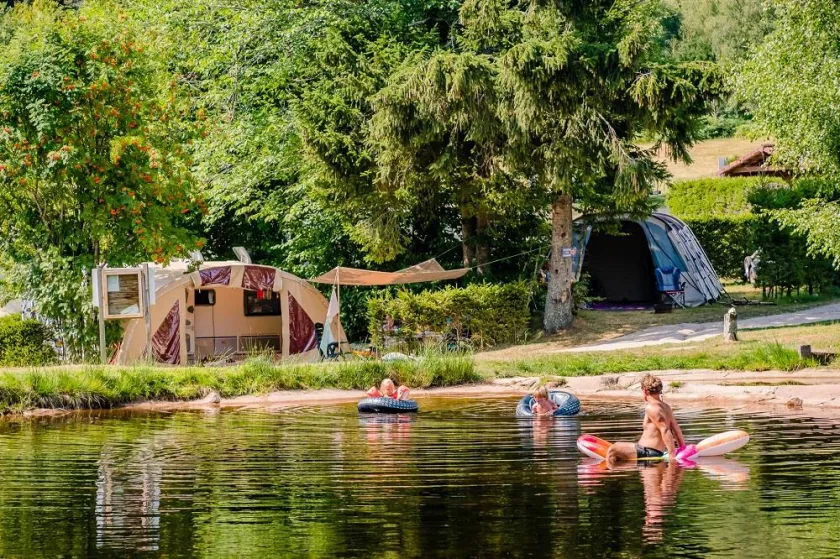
658	411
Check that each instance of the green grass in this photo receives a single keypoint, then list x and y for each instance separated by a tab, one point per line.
760	356
105	387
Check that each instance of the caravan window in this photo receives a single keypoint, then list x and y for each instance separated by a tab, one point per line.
205	298
268	304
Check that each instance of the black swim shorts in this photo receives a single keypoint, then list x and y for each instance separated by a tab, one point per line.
647	452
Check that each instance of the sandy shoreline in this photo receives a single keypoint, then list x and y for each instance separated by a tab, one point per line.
819	391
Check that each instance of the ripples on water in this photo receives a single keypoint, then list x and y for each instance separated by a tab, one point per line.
462	478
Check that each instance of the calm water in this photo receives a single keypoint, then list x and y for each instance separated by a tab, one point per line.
462	478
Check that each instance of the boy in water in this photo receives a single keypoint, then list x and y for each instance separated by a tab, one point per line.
660	430
388	390
542	404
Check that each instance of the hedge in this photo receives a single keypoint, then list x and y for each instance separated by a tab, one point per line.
486	314
727	241
24	342
711	197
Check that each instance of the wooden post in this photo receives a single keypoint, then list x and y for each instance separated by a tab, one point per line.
730	325
103	349
805	352
147	311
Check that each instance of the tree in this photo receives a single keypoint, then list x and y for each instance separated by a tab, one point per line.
549	98
790	84
93	167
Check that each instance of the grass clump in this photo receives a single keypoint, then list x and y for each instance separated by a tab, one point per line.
94	387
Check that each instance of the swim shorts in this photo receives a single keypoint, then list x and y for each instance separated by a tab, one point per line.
647	452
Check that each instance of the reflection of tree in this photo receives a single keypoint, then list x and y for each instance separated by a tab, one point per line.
451	482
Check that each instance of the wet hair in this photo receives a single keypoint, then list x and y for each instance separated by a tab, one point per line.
652	384
541	392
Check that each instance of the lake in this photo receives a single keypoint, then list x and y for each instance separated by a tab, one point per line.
461	478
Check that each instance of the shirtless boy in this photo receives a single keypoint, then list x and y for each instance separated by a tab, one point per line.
660	430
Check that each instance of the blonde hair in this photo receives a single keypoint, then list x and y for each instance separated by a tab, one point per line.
385	382
652	384
541	392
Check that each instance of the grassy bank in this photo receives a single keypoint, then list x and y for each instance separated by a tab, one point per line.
763	356
105	387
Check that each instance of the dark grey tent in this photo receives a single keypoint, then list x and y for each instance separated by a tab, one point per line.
634	265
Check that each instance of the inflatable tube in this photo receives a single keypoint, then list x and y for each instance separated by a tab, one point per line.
567	404
593	447
387	405
717	445
722	443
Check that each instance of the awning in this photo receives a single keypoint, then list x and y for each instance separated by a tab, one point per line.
430	270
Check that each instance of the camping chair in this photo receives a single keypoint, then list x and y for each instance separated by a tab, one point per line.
669	284
333	351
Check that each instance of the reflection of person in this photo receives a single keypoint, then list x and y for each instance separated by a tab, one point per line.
661	483
388	390
542	404
660	430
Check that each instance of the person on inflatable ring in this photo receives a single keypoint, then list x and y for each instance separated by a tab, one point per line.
542	405
388	390
660	430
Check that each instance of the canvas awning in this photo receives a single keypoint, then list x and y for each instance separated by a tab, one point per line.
430	270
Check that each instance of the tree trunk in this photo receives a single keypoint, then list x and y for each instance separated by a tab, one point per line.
482	245
468	230
558	302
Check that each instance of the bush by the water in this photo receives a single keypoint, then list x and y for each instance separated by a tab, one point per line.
24	342
486	314
105	387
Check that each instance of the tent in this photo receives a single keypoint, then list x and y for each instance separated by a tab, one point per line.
623	267
227	308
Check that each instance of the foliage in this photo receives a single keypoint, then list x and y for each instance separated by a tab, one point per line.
24	342
790	83
486	314
785	261
727	240
710	197
92	161
104	387
721	30
581	292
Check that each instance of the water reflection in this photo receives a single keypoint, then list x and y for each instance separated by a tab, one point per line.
462	478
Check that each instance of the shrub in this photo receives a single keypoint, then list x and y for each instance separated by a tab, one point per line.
711	197
486	314
24	342
727	241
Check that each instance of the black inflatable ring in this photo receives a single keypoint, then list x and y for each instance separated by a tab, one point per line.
567	404
387	405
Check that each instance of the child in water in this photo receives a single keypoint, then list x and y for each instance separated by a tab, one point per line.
388	390
542	404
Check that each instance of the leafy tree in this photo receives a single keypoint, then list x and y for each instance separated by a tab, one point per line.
548	98
92	161
790	83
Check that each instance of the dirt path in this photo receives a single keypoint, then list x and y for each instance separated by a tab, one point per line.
692	332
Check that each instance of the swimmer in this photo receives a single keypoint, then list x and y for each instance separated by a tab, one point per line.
542	404
387	389
660	430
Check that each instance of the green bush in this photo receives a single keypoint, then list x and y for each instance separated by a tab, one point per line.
24	342
711	197
727	241
487	314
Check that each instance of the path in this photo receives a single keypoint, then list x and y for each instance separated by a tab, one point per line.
678	333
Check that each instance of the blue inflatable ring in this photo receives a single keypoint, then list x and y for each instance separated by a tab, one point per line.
387	405
567	404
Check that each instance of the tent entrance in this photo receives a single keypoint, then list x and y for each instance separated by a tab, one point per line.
620	266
